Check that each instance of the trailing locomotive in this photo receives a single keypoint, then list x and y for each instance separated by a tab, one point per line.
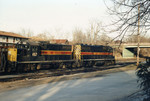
33	56
94	54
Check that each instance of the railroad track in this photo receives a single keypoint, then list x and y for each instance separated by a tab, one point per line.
57	72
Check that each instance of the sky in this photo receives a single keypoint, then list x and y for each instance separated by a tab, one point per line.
58	17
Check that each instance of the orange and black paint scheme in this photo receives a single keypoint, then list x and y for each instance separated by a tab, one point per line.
56	52
96	52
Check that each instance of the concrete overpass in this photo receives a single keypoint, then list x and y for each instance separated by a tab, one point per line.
128	49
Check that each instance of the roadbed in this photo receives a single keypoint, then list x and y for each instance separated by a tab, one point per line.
5	86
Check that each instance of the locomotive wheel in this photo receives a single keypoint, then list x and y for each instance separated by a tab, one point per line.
33	67
109	62
73	65
69	65
79	64
106	62
12	67
114	62
89	64
62	66
29	67
26	67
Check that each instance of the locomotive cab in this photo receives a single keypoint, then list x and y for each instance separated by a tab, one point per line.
30	52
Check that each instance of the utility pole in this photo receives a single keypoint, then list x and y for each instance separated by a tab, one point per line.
138	36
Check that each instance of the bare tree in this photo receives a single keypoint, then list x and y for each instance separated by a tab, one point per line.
132	16
127	16
94	35
104	39
133	39
93	31
78	36
45	36
26	32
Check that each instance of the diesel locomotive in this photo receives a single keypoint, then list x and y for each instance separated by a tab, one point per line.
44	55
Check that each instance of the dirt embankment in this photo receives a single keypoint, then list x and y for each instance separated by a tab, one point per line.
4	86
